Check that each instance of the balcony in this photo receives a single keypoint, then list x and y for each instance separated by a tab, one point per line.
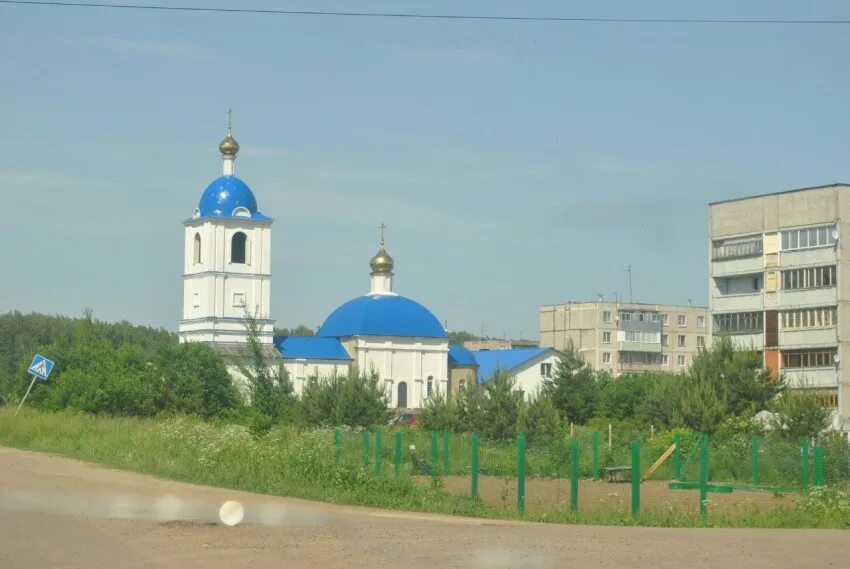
807	257
748	341
751	302
808	297
808	337
643	347
811	377
739	266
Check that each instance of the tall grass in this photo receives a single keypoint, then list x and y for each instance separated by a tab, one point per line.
288	462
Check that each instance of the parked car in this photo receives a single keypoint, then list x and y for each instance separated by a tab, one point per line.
405	419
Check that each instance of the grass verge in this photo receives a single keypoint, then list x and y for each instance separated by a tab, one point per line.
286	462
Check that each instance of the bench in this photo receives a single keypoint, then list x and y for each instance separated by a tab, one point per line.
619	473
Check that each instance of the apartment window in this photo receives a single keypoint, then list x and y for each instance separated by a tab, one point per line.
606	357
626	316
823	317
739	323
640	358
680	361
606	337
809	358
606	316
681	320
700	321
808	238
681	343
665	340
546	369
738	247
813	277
665	360
665	319
700	341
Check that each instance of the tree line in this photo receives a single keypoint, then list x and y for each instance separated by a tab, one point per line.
723	389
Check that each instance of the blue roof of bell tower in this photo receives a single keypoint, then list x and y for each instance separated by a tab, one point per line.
224	195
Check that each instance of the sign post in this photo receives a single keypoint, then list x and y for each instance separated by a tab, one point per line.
40	368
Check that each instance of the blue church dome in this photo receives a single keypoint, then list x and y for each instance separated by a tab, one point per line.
228	196
382	315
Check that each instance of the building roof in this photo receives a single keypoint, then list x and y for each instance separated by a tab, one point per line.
310	348
491	361
460	356
228	196
835	185
382	315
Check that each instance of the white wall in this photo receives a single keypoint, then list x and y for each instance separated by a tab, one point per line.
214	289
300	370
527	375
411	360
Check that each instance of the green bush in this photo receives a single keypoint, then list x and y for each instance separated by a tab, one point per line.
353	399
439	413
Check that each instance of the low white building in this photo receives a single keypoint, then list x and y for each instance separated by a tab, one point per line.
528	367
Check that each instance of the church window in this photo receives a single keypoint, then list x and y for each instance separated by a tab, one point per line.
238	299
430	386
197	251
237	247
241	212
461	385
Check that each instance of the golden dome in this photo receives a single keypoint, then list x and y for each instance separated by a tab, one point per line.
382	263
229	146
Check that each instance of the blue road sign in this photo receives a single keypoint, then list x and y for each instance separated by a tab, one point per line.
41	367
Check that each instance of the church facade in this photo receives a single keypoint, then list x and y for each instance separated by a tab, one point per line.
227	274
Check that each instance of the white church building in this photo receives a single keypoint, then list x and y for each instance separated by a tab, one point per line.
227	270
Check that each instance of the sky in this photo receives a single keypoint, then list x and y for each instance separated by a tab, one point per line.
516	164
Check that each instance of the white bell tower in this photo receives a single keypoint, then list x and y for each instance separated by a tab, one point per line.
227	262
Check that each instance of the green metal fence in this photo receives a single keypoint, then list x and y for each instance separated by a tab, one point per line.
528	472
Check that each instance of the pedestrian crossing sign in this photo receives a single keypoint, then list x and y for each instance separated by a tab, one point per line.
41	367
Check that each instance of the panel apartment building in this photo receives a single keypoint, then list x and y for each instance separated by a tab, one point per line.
626	337
780	283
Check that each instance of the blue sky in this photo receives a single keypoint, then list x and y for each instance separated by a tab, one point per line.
516	164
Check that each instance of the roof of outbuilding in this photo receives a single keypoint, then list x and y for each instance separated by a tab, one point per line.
491	361
460	356
310	348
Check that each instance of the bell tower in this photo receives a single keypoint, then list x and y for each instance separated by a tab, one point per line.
227	261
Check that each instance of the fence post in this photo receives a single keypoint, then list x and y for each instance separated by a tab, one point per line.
434	459
520	481
474	466
804	462
397	456
378	436
754	450
635	478
337	435
818	465
703	476
446	435
365	448
596	455
574	477
677	457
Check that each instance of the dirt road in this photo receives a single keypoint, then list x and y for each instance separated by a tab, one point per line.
57	513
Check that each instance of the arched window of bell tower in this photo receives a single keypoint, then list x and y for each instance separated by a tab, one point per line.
237	247
197	250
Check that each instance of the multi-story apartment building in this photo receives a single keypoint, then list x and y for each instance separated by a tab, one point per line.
626	337
496	344
780	283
